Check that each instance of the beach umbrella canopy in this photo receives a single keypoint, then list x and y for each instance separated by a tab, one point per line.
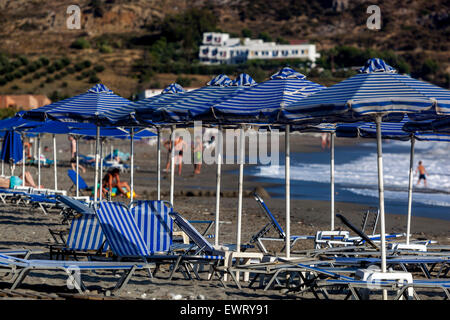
98	105
374	90
115	133
12	147
262	102
195	104
17	122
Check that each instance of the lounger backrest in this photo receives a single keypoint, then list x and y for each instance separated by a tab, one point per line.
270	215
75	204
120	229
194	235
86	234
73	176
155	224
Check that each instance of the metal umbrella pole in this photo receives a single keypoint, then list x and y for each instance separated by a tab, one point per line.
132	164
410	189
39	161
381	198
100	195
23	163
218	181
78	166
240	186
54	162
97	142
158	164
287	177
172	166
332	137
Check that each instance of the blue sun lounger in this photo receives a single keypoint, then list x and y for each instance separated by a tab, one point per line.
82	185
127	242
85	238
259	237
20	268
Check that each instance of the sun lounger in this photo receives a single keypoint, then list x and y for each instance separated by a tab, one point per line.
84	238
20	268
82	186
127	242
259	237
73	207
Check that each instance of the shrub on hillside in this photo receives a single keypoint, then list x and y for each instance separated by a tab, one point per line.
80	43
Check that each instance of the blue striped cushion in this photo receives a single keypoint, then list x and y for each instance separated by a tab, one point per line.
121	231
85	234
155	224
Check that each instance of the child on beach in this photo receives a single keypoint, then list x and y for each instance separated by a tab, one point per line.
422	174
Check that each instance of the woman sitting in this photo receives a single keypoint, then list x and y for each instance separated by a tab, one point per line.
112	180
11	182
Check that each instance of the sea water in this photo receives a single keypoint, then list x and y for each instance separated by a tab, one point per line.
356	176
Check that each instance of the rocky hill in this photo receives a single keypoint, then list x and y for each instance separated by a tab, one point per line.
118	33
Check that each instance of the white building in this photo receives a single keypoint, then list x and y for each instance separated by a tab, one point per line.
147	93
219	48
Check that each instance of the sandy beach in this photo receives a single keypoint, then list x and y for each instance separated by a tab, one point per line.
22	227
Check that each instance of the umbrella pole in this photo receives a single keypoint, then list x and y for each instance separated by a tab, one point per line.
132	164
23	164
172	165
39	161
54	162
240	185
381	198
410	187
218	178
100	195
78	168
3	168
332	137
287	177
158	164
96	164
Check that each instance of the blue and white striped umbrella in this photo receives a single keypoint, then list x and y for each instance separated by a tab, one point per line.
173	88
243	80
264	101
98	105
221	80
192	105
389	130
375	90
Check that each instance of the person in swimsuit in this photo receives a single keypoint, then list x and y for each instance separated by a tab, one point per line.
198	150
11	182
73	154
112	180
422	174
180	146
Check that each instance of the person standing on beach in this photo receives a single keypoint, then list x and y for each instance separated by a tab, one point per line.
198	150
325	140
180	146
73	154
422	174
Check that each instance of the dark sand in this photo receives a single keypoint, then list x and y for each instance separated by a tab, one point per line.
24	228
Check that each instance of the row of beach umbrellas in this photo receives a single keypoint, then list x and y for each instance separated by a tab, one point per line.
377	94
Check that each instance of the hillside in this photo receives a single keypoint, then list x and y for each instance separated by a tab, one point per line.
130	45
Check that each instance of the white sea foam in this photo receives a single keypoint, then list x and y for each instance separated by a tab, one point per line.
361	174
